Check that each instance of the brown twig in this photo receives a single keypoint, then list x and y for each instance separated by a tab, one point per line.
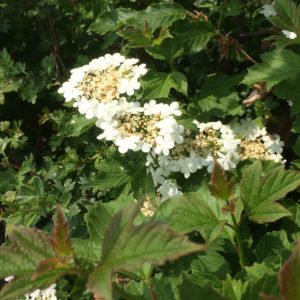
259	93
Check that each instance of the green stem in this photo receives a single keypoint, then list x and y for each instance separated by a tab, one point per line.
238	238
154	159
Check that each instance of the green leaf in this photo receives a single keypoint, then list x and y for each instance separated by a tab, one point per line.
158	15
112	174
289	89
168	50
276	66
158	85
98	219
261	187
198	211
127	247
211	262
288	15
267	284
28	247
194	35
38	185
86	250
289	276
222	100
136	37
233	289
192	291
272	244
111	20
80	124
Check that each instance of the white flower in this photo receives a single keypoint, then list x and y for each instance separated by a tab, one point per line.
46	294
268	10
8	278
225	161
217	140
169	189
273	143
289	34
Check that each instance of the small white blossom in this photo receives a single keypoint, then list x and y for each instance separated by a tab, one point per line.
219	141
169	189
289	34
268	10
46	294
8	278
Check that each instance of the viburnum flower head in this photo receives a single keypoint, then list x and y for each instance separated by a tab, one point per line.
198	150
103	80
256	142
151	127
216	140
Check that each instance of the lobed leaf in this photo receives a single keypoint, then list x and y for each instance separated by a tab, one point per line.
276	66
261	188
127	247
158	85
194	211
158	15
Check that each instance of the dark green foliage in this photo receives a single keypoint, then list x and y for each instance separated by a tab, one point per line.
70	204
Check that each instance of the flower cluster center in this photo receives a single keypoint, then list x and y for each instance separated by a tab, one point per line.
207	142
253	149
143	126
103	85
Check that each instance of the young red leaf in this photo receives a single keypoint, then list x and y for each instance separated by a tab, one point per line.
60	236
220	187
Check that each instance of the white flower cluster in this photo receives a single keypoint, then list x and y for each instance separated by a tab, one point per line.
46	294
256	142
149	127
99	91
213	141
268	10
97	86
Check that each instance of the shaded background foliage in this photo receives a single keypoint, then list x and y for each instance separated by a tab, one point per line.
198	53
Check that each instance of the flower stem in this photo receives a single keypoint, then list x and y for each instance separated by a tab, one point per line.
238	238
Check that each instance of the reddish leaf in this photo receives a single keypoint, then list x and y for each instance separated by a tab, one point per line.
48	264
60	236
289	276
220	187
